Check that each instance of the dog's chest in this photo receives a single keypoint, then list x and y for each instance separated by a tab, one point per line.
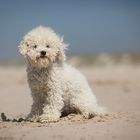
42	80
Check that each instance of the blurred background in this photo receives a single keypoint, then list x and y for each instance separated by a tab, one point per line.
91	27
104	38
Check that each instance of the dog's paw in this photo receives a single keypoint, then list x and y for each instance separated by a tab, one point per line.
48	118
89	115
96	112
32	118
101	111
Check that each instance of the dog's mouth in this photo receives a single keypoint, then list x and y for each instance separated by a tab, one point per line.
38	58
43	57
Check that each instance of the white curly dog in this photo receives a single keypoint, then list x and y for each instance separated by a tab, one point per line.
57	88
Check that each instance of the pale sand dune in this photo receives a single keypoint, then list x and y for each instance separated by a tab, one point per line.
116	87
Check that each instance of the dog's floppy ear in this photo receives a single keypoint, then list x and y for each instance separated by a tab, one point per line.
60	56
23	48
61	51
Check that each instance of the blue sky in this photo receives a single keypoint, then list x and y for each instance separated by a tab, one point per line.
89	26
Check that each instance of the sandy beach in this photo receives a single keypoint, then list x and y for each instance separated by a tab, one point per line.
117	87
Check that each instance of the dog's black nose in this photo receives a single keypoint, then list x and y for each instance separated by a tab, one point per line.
43	53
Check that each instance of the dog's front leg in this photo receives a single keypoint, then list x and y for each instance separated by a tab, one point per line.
36	111
52	108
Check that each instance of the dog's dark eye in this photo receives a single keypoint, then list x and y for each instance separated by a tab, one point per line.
47	46
35	46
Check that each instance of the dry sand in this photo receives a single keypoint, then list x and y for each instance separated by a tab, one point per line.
116	87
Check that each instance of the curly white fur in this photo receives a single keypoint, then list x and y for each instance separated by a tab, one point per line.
56	87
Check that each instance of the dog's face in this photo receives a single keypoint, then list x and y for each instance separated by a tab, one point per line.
43	47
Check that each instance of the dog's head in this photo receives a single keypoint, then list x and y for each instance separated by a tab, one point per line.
43	47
